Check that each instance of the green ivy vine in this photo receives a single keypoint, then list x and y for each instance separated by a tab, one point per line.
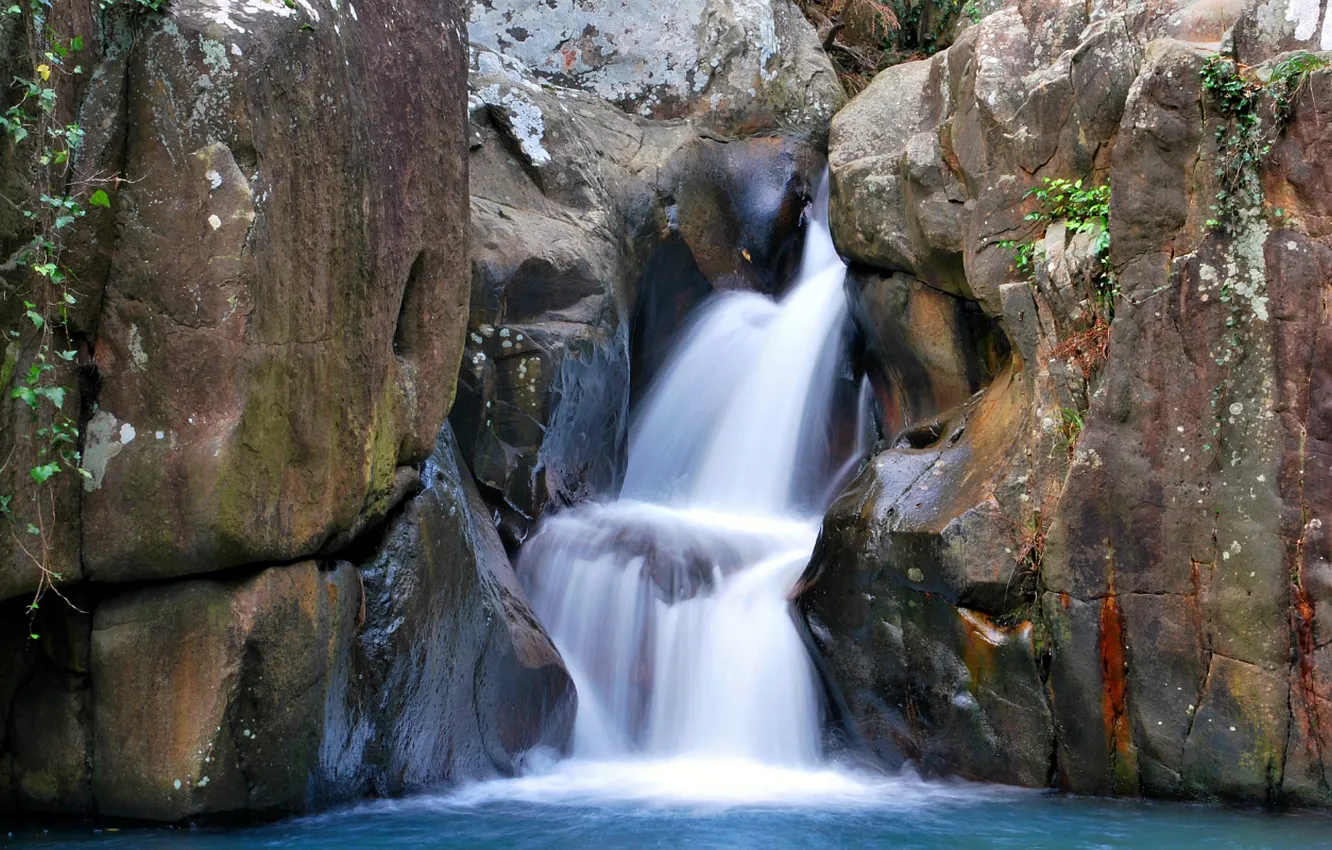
48	289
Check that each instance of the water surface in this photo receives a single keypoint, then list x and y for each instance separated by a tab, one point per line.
610	806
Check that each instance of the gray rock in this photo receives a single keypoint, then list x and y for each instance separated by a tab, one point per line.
731	64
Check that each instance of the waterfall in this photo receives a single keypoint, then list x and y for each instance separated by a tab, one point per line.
670	605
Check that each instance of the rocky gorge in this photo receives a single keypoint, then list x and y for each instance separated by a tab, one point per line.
377	285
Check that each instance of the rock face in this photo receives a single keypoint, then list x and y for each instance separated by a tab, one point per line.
212	445
735	65
450	676
592	228
1105	574
278	249
299	686
268	327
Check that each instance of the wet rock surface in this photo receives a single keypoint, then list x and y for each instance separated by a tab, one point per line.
594	234
296	687
1145	523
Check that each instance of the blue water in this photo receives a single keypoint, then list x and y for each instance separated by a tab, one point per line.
563	811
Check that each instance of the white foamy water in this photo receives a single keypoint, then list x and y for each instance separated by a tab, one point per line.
722	783
670	606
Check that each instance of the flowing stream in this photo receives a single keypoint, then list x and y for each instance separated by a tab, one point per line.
670	605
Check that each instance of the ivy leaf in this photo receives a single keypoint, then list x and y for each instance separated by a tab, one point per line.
44	71
34	530
55	394
40	474
76	43
4	504
36	319
100	199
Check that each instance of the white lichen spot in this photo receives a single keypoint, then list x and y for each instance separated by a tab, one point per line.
176	784
1304	14
127	434
1236	409
138	356
214	222
214	179
160	435
523	117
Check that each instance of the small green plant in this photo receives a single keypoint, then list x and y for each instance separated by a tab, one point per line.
1288	79
1243	138
1240	141
1025	255
1083	208
1068	426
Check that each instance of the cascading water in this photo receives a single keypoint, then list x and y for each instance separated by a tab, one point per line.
670	605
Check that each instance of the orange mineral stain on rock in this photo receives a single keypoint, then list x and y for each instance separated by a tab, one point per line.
1114	696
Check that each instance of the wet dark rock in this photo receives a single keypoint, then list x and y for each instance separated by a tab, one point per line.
594	235
450	676
924	351
290	688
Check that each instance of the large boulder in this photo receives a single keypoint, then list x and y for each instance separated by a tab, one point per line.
260	388
1163	478
271	313
916	599
449	675
735	65
292	688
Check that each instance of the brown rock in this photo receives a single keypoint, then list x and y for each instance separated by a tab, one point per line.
322	275
450	677
232	675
